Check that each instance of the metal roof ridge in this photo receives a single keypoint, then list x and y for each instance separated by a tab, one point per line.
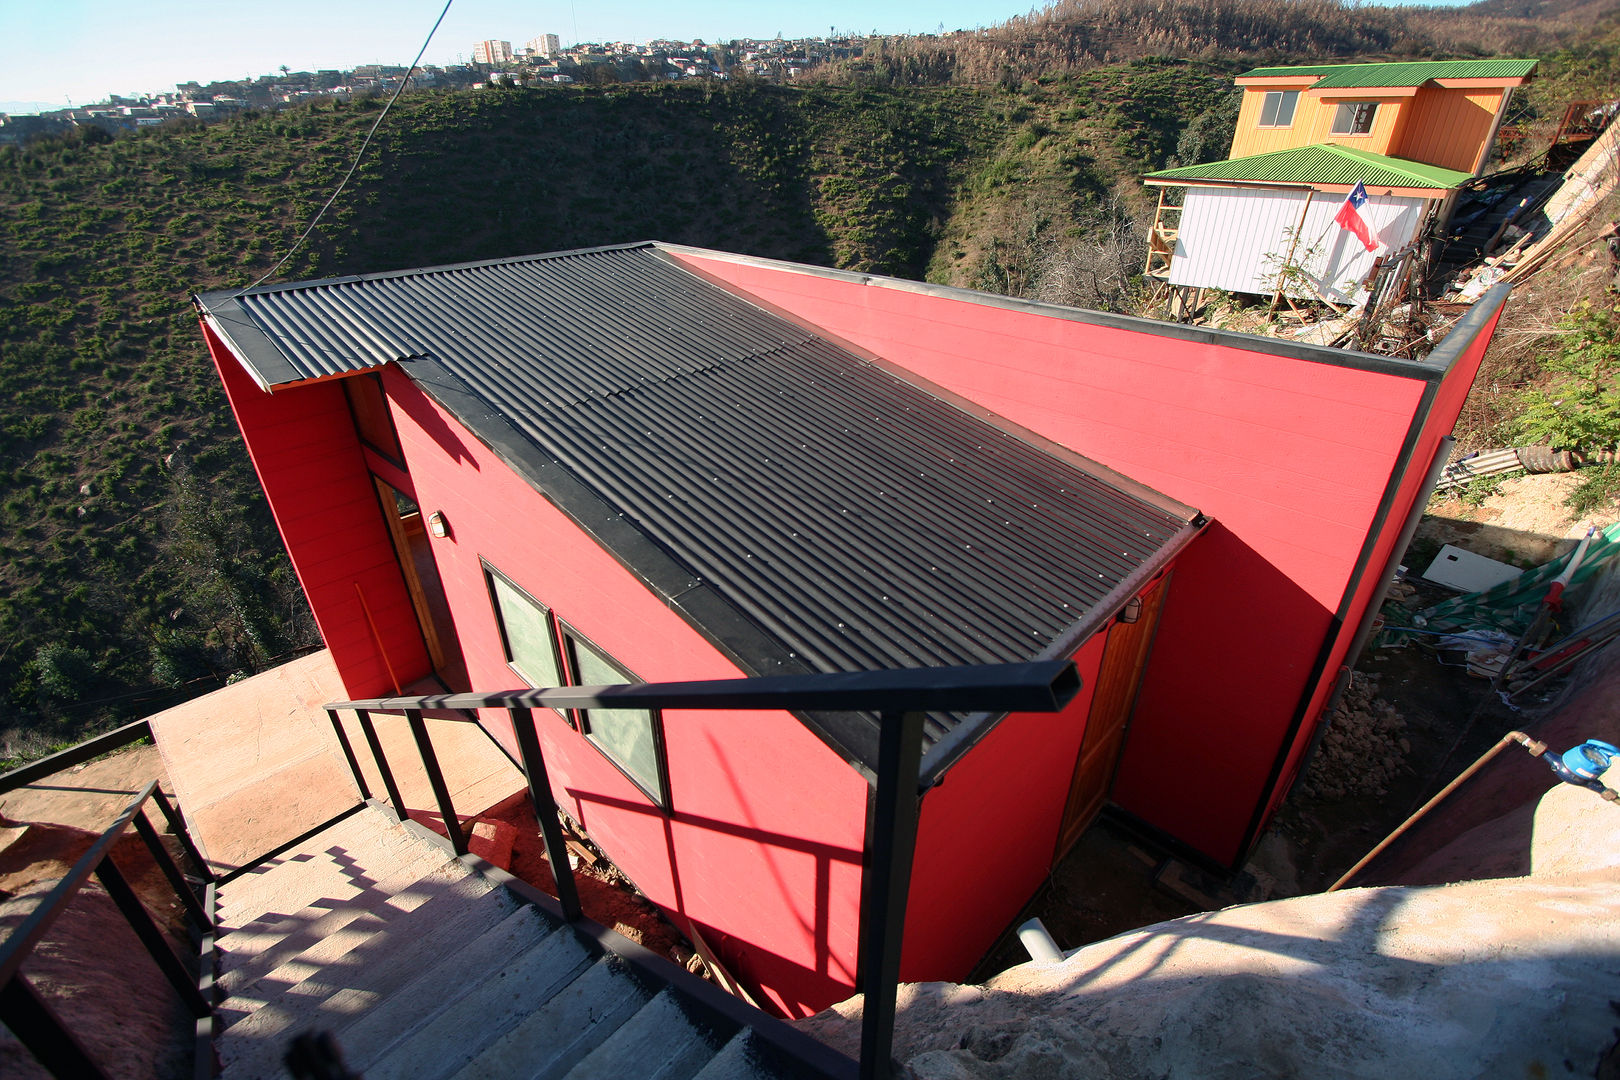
1325	70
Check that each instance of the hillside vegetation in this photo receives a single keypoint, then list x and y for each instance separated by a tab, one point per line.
137	561
1077	35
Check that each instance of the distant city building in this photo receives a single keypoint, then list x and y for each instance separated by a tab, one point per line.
492	52
546	45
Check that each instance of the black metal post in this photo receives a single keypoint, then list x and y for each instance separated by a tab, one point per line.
166	863
151	937
348	754
441	792
370	731
177	827
36	1026
886	885
545	810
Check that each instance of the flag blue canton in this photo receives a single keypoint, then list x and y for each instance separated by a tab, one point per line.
1358	195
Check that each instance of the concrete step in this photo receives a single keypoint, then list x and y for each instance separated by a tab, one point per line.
420	969
368	1035
445	891
747	1057
254	950
554	1037
326	865
256	1032
488	1010
661	1042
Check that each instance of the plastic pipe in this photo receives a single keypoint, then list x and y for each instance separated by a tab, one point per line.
1038	942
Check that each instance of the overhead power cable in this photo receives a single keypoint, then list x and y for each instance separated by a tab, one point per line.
366	142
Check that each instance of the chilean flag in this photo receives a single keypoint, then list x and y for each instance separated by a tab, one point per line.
1349	217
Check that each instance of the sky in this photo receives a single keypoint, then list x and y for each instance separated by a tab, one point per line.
56	51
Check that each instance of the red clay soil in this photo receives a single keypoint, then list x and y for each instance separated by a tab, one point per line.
90	968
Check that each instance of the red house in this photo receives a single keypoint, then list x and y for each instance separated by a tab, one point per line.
662	463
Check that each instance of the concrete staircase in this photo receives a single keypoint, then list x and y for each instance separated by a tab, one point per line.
420	967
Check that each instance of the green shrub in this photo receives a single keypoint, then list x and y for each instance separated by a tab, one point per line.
1579	406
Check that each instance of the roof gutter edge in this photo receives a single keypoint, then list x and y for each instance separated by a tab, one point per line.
965	736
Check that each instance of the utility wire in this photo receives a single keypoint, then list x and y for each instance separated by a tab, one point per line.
316	220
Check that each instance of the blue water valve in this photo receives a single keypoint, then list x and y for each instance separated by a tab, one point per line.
1588	761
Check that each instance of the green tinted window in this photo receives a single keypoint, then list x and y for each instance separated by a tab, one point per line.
527	627
625	734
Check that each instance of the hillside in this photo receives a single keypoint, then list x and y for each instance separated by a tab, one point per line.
1069	36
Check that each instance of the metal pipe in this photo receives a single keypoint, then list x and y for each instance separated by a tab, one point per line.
545	811
886	884
435	775
369	730
1534	747
348	755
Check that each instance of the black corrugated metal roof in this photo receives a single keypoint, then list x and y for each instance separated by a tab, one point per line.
851	519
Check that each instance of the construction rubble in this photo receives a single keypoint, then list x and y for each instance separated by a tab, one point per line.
1362	748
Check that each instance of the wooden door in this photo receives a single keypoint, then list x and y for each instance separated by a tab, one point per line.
406	530
1119	677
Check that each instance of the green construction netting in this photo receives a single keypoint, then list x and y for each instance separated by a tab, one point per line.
1511	606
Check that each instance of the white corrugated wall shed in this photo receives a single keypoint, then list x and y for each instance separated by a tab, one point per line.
1238	238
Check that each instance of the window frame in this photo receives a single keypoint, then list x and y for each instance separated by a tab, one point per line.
569	639
1290	97
1355	115
547	615
376	409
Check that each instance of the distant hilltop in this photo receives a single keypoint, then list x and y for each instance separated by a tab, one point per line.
542	60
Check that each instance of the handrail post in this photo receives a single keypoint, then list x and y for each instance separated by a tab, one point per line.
886	884
348	754
145	929
177	827
545	810
177	880
36	1026
369	730
441	792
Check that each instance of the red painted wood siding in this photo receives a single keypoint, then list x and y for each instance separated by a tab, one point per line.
763	851
1448	402
309	462
1289	457
986	836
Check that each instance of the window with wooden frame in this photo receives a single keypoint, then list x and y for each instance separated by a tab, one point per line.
1278	109
372	420
1354	117
633	739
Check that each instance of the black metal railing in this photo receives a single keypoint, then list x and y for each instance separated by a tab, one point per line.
22	1010
900	699
78	754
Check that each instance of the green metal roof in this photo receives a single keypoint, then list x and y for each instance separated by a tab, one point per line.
1416	73
1319	165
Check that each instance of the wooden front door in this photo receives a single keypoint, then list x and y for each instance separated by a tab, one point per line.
1119	677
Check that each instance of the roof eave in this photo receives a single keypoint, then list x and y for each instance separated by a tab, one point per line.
957	742
1407	192
1281	81
1365	92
